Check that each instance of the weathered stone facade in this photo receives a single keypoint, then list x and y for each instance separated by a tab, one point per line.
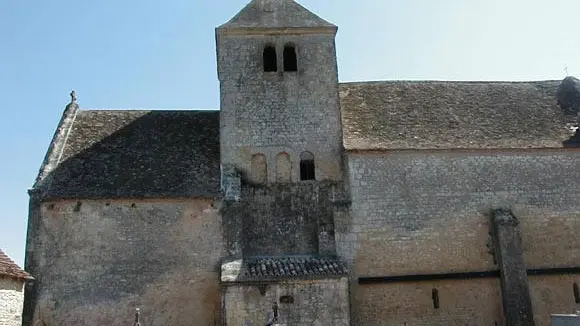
373	203
279	112
461	302
405	204
422	213
552	294
302	303
12	280
102	258
281	219
11	301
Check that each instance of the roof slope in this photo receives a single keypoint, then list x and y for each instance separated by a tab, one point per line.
275	14
139	154
452	115
8	268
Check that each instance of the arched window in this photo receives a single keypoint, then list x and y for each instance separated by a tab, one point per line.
259	169
307	168
576	292
270	59
283	168
290	60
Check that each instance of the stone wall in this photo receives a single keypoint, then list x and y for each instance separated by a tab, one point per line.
460	302
552	294
11	301
314	302
283	219
428	213
99	260
279	112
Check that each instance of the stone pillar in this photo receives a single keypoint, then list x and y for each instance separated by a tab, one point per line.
517	304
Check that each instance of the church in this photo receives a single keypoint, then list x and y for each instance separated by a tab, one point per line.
306	201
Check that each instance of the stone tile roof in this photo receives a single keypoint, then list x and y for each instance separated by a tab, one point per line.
452	115
275	14
8	268
138	154
278	268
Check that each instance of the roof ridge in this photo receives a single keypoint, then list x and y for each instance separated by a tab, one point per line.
434	81
57	145
9	268
145	110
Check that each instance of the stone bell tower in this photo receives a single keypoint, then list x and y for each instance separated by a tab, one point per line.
281	160
279	94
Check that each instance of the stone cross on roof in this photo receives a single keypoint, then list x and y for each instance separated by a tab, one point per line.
73	100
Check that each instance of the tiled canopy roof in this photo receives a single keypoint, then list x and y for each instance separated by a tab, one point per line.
8	268
452	115
276	268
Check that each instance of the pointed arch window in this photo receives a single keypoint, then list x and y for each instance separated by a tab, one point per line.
290	59
270	59
307	167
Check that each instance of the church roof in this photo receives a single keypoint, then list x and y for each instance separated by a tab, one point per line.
145	154
396	115
275	14
133	153
8	268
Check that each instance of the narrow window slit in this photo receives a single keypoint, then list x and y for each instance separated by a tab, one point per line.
435	297
576	290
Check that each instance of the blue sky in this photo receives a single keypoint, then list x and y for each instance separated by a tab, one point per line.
161	55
